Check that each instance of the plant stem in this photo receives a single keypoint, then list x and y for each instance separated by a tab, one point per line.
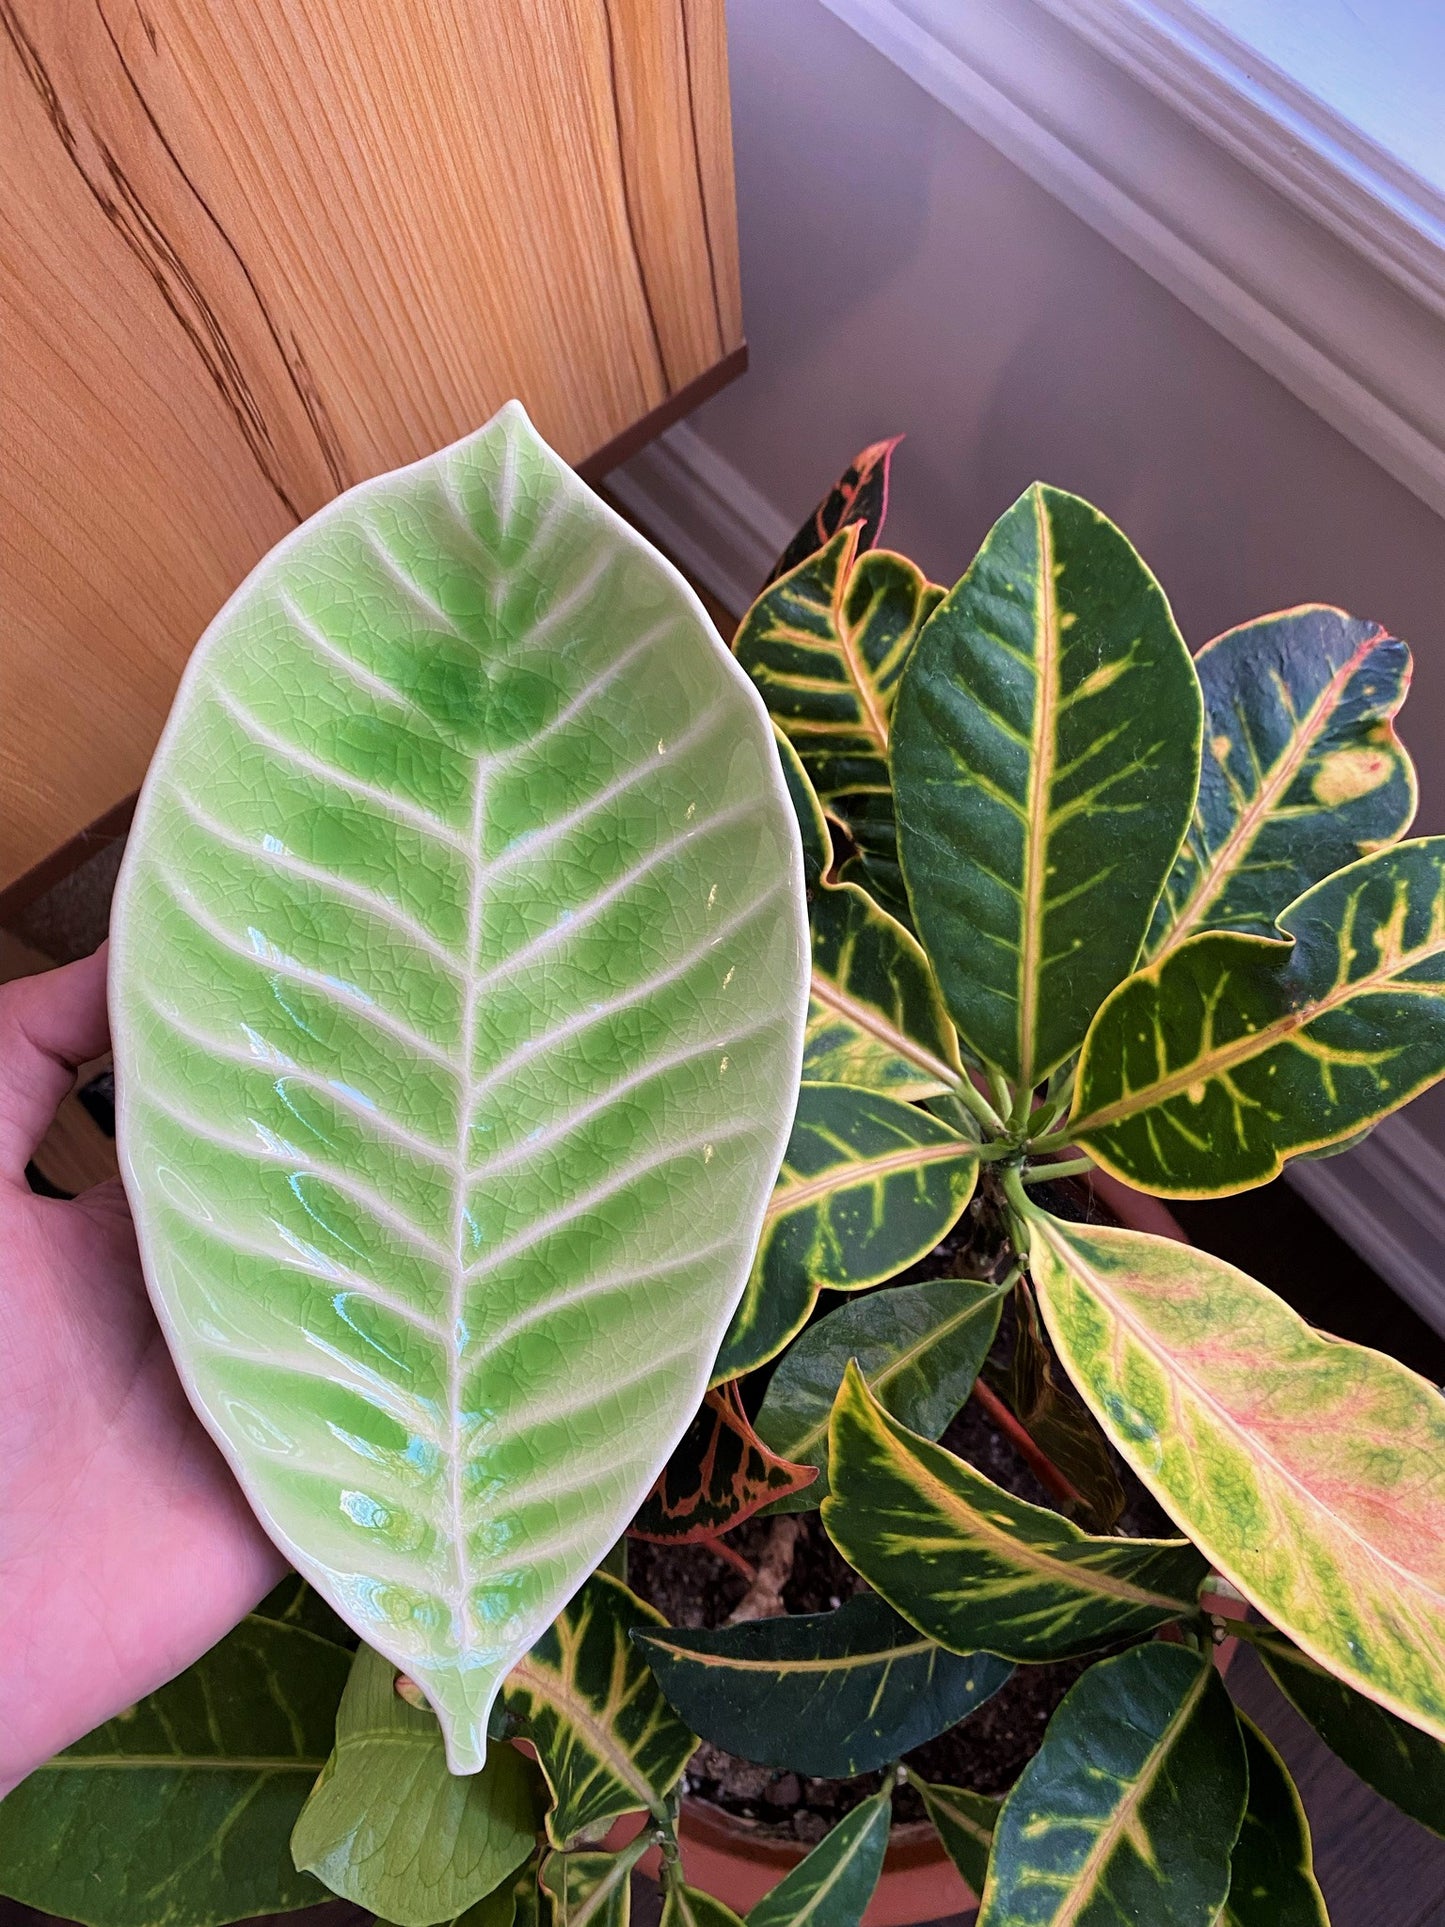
1019	1199
1043	1468
1053	1141
1046	1173
973	1100
1003	1097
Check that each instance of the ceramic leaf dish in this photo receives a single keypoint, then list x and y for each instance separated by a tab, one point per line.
459	975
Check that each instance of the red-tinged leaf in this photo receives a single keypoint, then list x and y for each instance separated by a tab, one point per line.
860	494
720	1474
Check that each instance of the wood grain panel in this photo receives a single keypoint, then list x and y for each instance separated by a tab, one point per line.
254	251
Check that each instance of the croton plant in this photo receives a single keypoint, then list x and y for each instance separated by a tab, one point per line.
1076	901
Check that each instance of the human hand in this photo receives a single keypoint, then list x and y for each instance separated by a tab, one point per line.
126	1548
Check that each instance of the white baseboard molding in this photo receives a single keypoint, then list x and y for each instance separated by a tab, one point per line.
1387	1199
1322	270
708	516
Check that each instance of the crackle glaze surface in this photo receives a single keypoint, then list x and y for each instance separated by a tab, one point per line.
458	983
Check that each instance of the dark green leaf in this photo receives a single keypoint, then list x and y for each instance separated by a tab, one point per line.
1129	1809
918	1346
1057	1421
1271	1879
294	1603
388	1827
1302	771
826	645
1208	1069
719	1475
859	495
833	1886
974	1567
1045	760
875	1017
964	1822
868	1185
826	1694
607	1741
1395	1758
178	1813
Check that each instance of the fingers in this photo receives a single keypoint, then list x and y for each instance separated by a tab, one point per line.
48	1025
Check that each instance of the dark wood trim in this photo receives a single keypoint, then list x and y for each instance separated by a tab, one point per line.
624	446
109	828
89	842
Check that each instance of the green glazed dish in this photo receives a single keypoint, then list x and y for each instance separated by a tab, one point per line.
458	983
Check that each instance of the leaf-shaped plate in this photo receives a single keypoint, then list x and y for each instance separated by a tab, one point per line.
458	981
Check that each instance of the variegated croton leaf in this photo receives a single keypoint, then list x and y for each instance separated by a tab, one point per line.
1302	771
1271	1871
1130	1809
875	1016
607	1741
868	1185
1205	1071
1059	1424
973	1566
829	1694
826	645
835	1882
720	1474
1045	759
964	1821
860	496
1310	1472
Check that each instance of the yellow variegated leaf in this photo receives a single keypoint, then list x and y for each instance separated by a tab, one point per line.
1045	759
868	1185
875	1017
1203	1073
976	1568
607	1741
1309	1471
1128	1811
826	644
1302	770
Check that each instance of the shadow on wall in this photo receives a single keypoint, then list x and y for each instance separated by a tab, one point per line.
899	274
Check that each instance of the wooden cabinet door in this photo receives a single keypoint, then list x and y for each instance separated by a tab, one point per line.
254	251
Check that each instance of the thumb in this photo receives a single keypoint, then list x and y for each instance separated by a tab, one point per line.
48	1025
